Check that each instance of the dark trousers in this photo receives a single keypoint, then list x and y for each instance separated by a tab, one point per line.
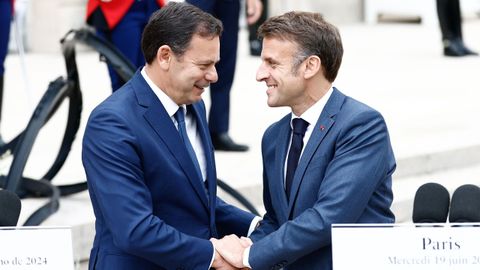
127	35
227	11
450	19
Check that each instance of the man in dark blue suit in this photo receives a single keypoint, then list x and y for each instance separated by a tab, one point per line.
149	159
328	161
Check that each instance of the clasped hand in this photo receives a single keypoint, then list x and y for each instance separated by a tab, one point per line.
229	252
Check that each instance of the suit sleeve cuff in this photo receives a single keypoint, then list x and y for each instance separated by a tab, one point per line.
255	221
246	254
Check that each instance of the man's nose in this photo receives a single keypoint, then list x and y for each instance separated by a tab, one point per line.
211	74
262	73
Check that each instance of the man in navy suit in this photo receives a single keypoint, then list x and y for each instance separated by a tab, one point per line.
345	159
149	159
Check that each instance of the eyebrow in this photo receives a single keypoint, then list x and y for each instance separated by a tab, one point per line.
205	62
270	60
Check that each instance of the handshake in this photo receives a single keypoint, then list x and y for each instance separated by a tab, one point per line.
229	252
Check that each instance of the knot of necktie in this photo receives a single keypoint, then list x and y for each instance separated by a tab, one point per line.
299	126
180	115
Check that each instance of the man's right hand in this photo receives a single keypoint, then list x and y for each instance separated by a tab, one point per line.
219	263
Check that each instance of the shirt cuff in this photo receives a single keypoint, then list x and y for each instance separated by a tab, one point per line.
213	257
254	224
246	254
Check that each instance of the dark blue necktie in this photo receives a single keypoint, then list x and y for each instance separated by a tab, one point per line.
180	117
299	128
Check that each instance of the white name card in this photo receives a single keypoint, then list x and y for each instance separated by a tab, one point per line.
32	248
452	246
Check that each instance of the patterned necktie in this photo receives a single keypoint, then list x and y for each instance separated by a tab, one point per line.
299	128
182	130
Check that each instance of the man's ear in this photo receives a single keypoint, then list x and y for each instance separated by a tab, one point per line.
164	56
313	65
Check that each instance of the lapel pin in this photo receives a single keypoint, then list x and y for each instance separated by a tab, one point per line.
322	127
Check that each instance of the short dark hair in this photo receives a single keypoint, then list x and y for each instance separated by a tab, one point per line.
174	25
312	34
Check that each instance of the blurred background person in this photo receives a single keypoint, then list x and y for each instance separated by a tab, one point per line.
121	22
229	13
255	44
450	20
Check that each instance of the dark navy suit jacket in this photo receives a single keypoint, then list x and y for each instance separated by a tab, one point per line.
343	176
151	208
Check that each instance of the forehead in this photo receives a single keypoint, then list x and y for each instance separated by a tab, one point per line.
278	48
204	48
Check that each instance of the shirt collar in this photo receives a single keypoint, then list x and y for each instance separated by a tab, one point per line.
170	106
312	114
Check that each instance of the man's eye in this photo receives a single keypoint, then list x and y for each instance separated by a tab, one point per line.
272	64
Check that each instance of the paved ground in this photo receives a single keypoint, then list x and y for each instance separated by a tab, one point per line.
430	103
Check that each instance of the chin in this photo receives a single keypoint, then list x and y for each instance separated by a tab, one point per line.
196	99
272	104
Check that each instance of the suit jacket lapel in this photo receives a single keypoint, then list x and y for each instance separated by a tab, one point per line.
198	109
277	187
160	121
324	123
